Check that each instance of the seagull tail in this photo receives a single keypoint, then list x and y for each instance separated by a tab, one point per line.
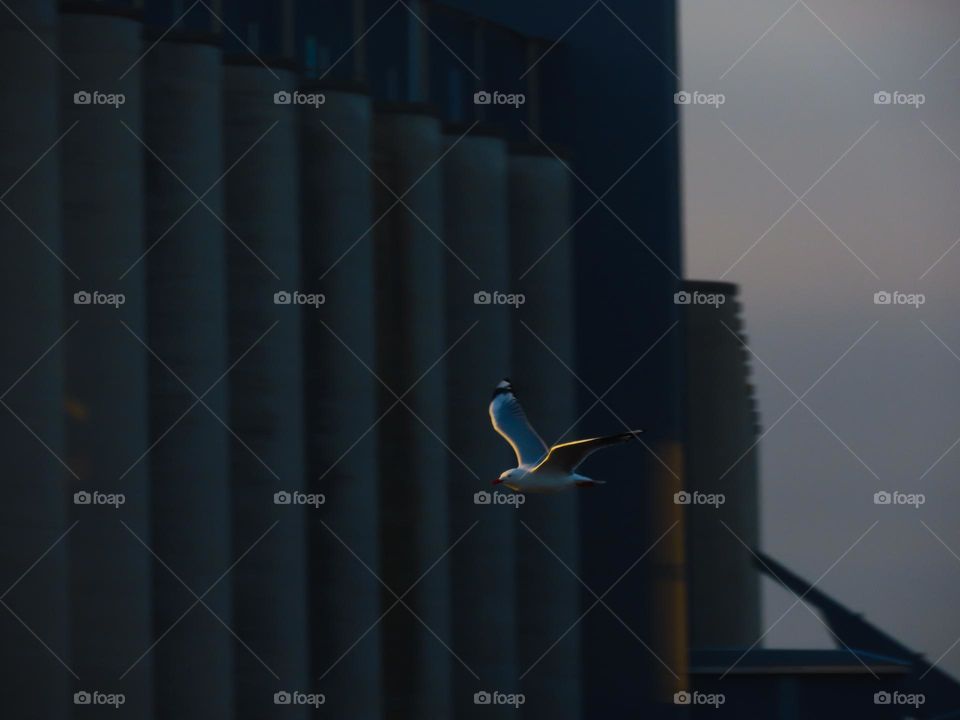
623	437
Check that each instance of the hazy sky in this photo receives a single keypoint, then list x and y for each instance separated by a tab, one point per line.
800	99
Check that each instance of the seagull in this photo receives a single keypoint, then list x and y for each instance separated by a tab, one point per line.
539	468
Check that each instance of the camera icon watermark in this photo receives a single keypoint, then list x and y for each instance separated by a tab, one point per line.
883	297
295	697
85	297
685	697
695	97
484	297
494	97
285	97
696	297
95	697
95	97
495	697
314	300
884	97
483	497
314	500
696	497
114	500
914	700
914	500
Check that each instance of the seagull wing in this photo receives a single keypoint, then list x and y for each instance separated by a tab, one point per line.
567	456
511	422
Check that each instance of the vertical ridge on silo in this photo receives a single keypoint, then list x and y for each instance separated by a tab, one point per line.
186	306
413	497
483	579
721	458
266	390
548	595
33	515
341	409
106	366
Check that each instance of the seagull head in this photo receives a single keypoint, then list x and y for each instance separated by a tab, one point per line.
508	475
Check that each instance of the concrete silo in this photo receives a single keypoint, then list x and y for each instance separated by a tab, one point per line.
187	313
33	513
266	390
410	330
548	595
721	459
483	584
106	368
341	411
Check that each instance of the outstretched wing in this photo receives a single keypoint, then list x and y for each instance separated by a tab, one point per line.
567	456
511	422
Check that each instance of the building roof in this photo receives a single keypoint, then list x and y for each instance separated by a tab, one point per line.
764	661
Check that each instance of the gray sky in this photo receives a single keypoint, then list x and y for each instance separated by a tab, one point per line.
887	212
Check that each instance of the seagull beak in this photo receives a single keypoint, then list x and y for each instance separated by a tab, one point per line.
497	481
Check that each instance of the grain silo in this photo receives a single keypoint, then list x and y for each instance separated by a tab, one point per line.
721	459
187	313
106	367
413	461
548	595
263	258
341	412
476	228
33	514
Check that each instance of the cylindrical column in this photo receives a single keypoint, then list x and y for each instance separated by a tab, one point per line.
548	595
721	459
186	310
341	411
266	389
410	331
665	600
482	582
106	367
32	515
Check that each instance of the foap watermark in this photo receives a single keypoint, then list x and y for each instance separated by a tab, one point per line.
483	497
696	497
84	297
95	697
314	300
95	97
914	500
896	297
499	298
282	497
284	97
696	297
495	697
495	97
695	97
114	500
883	97
914	700
295	697
685	697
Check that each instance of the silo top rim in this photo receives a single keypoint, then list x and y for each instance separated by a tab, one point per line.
711	286
274	63
355	87
182	36
392	107
85	7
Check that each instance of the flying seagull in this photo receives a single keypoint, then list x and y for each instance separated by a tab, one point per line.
539	468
